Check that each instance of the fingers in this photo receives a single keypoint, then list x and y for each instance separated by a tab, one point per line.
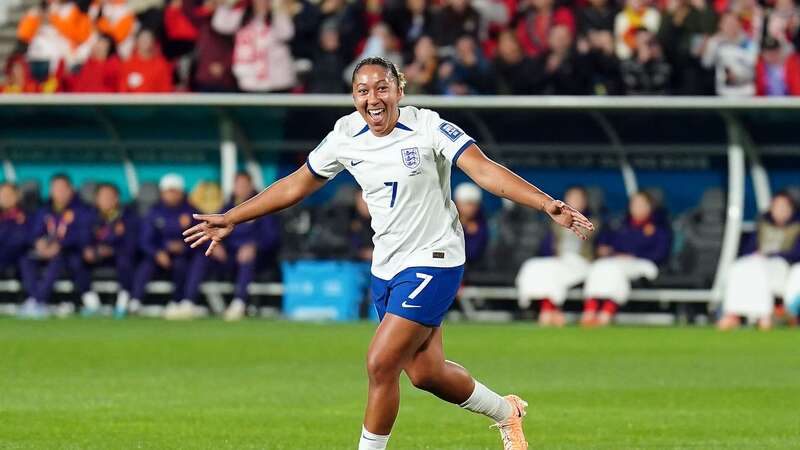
578	232
200	241
580	219
194	237
210	248
195	229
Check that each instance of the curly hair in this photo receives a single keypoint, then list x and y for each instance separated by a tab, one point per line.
386	64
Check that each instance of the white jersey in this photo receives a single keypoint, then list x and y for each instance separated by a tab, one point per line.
405	177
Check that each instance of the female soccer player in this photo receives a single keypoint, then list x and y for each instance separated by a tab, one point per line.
402	158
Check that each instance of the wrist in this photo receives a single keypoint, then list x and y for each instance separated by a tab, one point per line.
229	219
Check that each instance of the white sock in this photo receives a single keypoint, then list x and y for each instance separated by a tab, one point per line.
487	402
91	300
371	441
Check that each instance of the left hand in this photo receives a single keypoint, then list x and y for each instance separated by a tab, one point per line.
568	217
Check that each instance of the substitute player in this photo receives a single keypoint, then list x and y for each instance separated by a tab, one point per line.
402	159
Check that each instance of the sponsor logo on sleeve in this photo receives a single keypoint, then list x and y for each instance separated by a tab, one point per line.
451	131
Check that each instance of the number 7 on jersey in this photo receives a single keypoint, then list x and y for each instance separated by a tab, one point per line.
393	184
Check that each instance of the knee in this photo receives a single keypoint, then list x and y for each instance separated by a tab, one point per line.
246	254
381	369
424	379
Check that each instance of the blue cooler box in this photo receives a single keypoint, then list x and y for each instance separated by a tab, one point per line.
324	290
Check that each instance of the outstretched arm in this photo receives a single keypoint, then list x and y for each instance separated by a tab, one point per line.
280	195
504	183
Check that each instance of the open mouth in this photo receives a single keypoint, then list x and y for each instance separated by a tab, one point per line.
376	114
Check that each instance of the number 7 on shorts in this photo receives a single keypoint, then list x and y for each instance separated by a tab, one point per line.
425	280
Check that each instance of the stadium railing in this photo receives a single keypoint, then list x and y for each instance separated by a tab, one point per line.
512	129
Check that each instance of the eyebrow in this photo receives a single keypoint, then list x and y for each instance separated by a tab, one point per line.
382	80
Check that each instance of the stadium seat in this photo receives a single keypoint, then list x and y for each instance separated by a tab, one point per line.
794	192
148	196
87	191
697	243
518	235
295	231
30	195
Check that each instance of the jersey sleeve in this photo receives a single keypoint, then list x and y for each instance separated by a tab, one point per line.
322	161
448	139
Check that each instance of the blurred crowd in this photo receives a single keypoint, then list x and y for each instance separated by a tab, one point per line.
445	47
80	233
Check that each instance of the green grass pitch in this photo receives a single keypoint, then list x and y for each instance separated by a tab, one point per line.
101	384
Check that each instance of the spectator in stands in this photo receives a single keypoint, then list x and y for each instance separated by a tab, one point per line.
733	55
754	280
361	232
329	63
56	33
563	263
148	12
146	70
750	16
410	21
422	73
59	232
602	65
515	71
206	197
457	18
161	242
646	72
562	70
598	15
115	18
636	14
13	227
783	21
468	73
100	72
633	250
237	257
180	31
18	77
381	42
495	16
539	17
684	28
216	23
112	242
777	70
350	21
468	197
262	61
306	20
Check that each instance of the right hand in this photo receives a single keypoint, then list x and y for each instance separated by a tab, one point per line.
213	227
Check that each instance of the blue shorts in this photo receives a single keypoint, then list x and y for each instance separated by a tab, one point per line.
421	294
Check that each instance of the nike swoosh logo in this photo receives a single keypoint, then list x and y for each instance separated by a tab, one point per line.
406	305
355	163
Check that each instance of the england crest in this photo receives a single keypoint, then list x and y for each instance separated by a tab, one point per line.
411	157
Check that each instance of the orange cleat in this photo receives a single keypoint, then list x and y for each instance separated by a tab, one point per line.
511	428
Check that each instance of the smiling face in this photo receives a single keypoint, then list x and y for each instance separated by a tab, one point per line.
376	95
